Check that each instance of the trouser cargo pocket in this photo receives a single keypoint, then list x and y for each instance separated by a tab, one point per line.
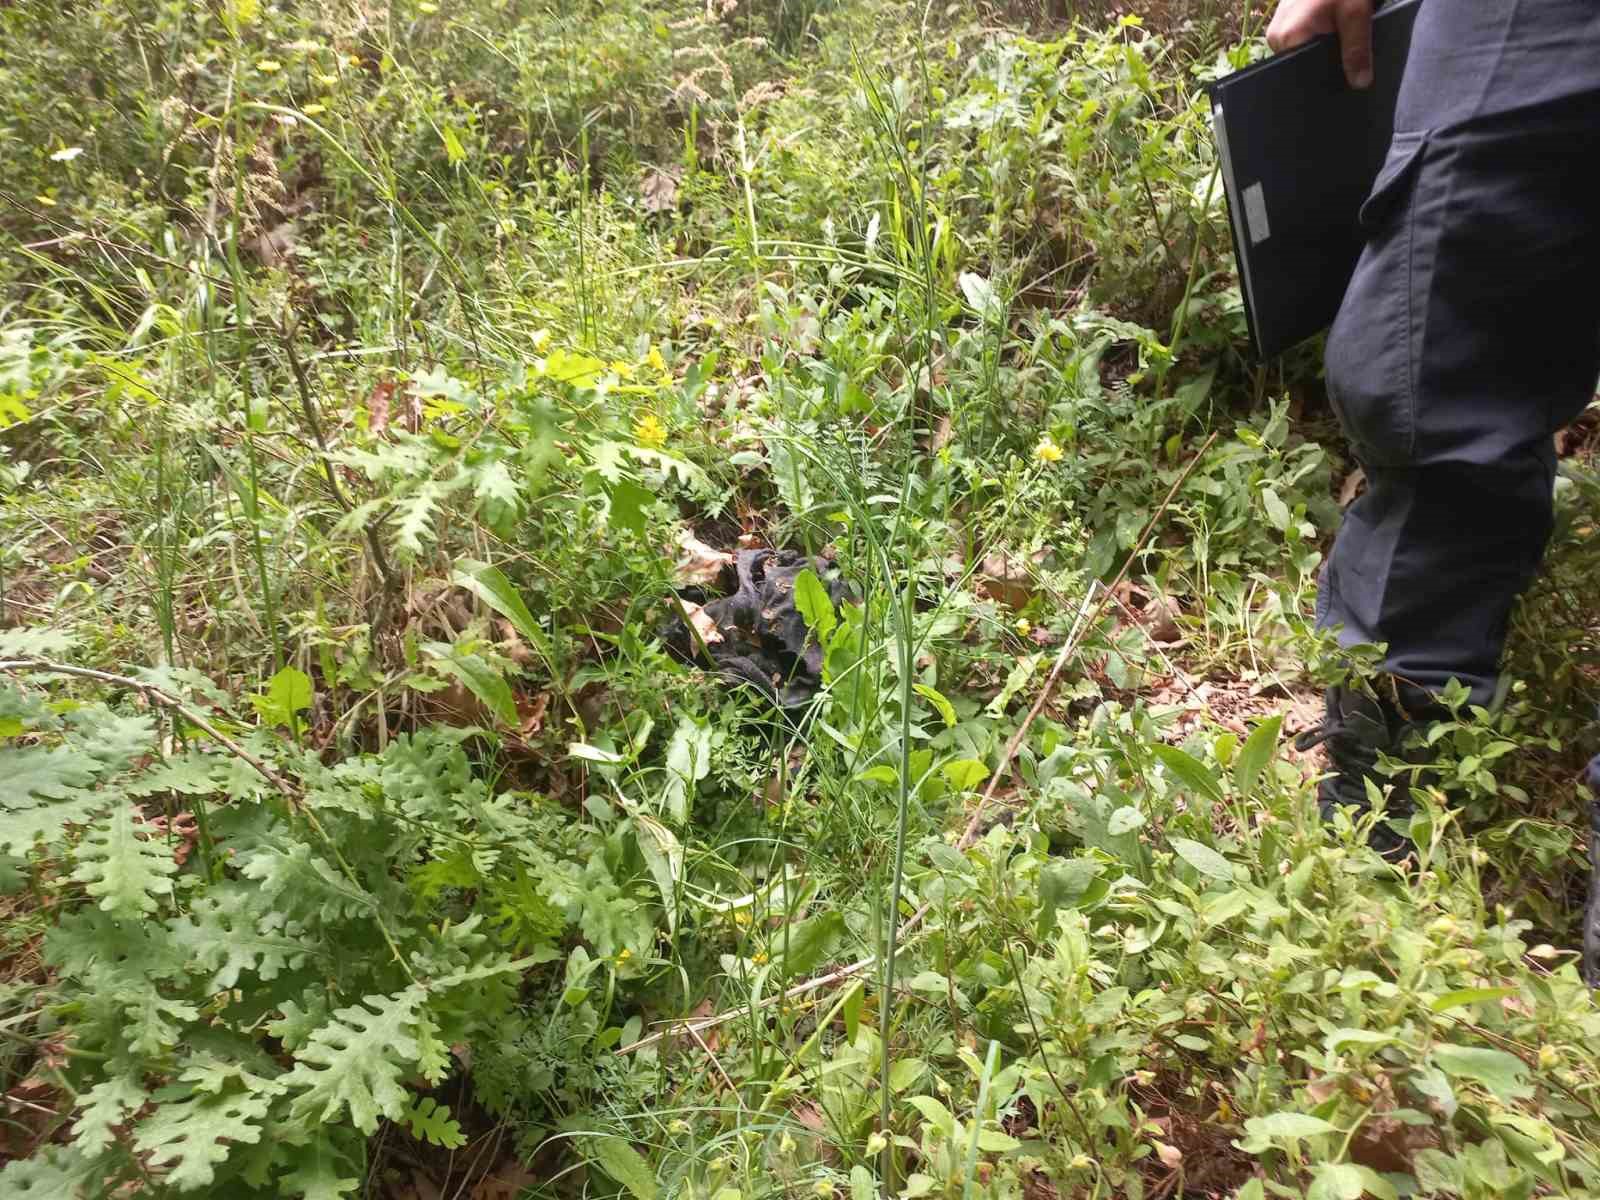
1371	349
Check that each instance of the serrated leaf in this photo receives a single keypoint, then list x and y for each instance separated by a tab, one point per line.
815	606
128	874
431	1122
43	773
493	483
317	1173
103	1107
52	1173
37	641
188	1139
1203	858
358	1059
413	518
220	941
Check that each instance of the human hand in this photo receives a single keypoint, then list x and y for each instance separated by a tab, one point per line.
1298	21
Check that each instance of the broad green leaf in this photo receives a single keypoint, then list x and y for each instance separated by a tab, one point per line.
981	295
627	508
288	693
1277	511
1203	858
1256	754
593	754
1358	1037
1336	1181
623	1163
905	1072
933	696
1502	1073
484	682
688	762
1065	883
934	1113
1124	820
964	774
815	605
882	773
850	1009
1288	1125
806	944
1190	771
454	151
491	586
663	854
1465	996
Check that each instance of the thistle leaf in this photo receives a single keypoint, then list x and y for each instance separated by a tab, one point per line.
127	873
358	1059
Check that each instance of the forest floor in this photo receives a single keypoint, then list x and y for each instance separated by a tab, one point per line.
396	805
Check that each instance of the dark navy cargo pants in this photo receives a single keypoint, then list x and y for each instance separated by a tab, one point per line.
1470	332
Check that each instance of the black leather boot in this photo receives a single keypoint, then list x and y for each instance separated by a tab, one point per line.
1358	727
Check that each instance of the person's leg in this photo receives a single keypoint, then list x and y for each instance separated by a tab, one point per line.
1469	333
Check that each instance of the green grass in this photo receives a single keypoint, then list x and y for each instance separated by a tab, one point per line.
361	372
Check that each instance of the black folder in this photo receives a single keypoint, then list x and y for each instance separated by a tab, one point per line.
1299	150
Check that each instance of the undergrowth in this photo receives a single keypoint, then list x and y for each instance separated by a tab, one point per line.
378	383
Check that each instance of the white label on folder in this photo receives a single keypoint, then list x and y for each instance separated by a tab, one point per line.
1255	214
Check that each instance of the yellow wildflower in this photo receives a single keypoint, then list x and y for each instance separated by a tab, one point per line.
1047	451
1023	626
649	431
47	201
426	7
623	956
742	917
759	958
314	110
654	359
269	66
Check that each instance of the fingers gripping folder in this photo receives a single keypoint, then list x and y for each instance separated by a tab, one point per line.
1299	151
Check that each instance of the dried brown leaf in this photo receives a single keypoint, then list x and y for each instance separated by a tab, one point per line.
699	564
378	400
659	191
